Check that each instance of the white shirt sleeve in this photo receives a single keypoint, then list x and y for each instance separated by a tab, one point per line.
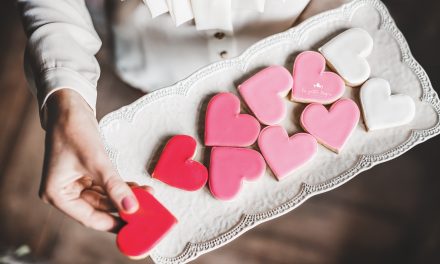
61	48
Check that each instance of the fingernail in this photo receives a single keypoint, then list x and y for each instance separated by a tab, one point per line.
150	190
129	204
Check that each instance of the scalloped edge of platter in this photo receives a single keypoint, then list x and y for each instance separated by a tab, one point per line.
365	162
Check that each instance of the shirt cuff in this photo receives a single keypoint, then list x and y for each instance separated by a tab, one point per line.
59	78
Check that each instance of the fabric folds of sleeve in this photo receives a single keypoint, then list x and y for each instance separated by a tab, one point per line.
61	48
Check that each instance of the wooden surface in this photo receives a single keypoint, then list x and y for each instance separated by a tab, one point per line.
359	222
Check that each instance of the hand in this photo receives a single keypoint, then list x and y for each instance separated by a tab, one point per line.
78	177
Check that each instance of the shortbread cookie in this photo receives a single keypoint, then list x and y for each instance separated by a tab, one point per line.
346	54
225	126
286	154
332	128
264	93
229	167
383	110
311	83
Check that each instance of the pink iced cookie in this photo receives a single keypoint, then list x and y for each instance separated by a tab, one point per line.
283	154
264	93
331	128
311	84
229	167
225	126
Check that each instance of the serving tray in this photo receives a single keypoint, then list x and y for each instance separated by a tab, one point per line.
135	134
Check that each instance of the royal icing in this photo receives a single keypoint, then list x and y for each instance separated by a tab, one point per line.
311	84
176	166
264	93
225	126
383	110
346	54
145	227
284	155
331	128
230	166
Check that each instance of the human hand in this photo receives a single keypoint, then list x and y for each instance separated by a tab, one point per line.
78	177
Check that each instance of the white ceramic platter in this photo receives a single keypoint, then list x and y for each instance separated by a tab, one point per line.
135	134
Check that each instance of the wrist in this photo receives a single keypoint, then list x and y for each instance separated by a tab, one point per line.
64	103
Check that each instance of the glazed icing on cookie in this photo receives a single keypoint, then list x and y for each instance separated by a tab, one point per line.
176	166
264	92
145	227
286	154
311	83
383	110
331	128
346	54
225	126
229	167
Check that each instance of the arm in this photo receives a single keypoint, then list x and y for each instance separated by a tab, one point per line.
61	48
78	178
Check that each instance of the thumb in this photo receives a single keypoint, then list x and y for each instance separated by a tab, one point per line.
119	192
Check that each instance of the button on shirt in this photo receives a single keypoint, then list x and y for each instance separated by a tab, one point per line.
155	44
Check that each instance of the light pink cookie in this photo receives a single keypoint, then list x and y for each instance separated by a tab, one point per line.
225	126
229	167
283	154
264	93
311	83
331	128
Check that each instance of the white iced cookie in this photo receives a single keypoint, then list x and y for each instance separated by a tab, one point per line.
383	110
346	54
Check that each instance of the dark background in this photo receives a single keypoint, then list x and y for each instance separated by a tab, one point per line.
389	214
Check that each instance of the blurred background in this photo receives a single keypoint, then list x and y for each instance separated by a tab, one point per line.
388	214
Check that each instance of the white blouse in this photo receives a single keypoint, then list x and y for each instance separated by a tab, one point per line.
156	43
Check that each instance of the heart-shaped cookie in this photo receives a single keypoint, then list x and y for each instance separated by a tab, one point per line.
229	167
346	54
264	92
383	110
145	227
311	83
176	166
331	128
283	154
225	126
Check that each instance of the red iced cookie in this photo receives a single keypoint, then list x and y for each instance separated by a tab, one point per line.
145	227
176	167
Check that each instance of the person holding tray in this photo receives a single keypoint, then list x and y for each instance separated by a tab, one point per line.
156	43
